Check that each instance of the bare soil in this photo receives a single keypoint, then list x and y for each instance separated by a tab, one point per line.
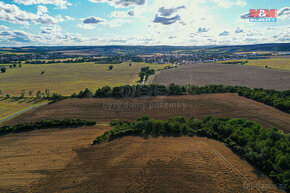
201	74
133	164
29	157
199	106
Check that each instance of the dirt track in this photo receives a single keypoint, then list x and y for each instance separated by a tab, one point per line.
226	74
219	105
133	164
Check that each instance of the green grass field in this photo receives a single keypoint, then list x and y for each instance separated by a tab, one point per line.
67	78
11	106
275	63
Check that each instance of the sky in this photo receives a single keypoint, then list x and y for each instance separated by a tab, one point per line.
140	22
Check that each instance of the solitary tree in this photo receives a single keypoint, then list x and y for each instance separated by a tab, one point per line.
19	65
111	67
1	93
47	93
38	94
3	69
23	93
130	64
30	93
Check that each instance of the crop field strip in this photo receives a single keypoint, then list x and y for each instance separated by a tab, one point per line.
11	106
202	74
220	105
70	77
275	62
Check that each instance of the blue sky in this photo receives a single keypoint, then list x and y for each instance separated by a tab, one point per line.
139	22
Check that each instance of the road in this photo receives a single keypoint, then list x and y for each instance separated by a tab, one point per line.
23	111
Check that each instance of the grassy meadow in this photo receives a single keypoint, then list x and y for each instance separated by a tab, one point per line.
275	63
67	78
11	106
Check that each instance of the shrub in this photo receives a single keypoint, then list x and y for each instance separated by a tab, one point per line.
44	124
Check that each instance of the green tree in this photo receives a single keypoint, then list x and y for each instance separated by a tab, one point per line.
30	93
47	93
3	69
85	94
38	94
111	67
23	92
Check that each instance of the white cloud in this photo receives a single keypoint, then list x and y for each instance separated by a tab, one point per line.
284	13
166	12
166	20
241	3
13	14
202	29
62	4
86	26
93	20
229	3
245	15
41	10
121	3
3	27
122	14
68	18
118	22
16	36
239	30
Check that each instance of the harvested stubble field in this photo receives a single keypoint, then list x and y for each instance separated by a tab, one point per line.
276	62
202	74
60	161
67	78
162	107
28	157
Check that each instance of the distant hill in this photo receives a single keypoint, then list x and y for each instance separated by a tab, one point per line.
153	49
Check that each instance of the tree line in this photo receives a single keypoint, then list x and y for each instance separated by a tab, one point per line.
60	61
266	148
46	95
44	124
277	99
14	65
236	62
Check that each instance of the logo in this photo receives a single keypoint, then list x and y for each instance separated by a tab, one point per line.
263	15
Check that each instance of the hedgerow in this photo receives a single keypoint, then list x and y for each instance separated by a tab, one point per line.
44	124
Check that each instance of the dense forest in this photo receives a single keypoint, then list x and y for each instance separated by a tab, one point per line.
268	149
277	99
44	124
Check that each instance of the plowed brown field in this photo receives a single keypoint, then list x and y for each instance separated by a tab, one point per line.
104	110
226	74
